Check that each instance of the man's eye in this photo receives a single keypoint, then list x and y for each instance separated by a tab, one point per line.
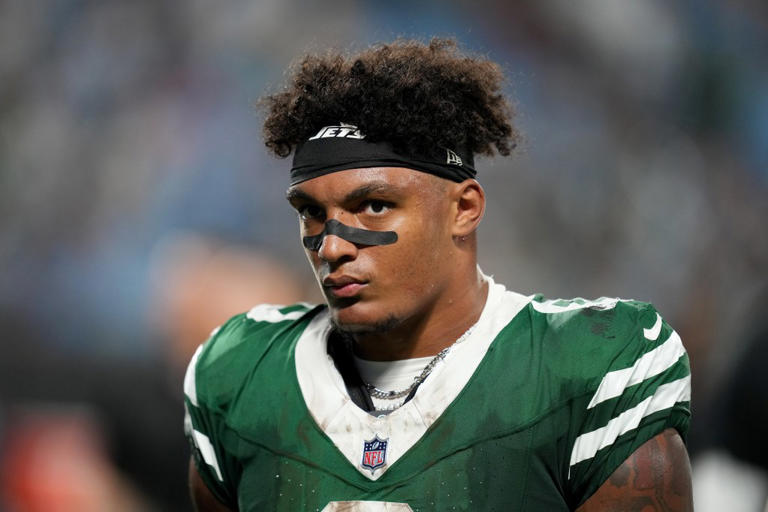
310	211
376	207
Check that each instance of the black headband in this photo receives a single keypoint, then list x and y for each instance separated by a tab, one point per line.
337	148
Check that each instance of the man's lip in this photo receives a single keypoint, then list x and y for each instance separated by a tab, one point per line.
346	290
334	282
342	287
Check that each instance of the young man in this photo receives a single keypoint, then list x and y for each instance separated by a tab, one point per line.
422	384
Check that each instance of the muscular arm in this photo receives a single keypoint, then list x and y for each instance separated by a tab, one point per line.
657	477
202	498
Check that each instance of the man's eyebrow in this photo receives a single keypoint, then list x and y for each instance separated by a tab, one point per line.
297	194
367	189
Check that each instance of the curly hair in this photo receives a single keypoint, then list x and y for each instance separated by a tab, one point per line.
413	95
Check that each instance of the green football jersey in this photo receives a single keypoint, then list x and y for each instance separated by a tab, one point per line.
532	411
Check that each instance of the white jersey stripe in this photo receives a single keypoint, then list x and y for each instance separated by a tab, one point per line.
667	395
653	333
549	306
206	450
271	313
650	364
190	386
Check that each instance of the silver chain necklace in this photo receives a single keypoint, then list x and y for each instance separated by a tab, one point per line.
375	392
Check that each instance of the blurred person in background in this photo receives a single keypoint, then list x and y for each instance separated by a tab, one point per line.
421	384
199	281
103	435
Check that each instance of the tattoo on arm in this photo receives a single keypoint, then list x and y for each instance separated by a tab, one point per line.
657	477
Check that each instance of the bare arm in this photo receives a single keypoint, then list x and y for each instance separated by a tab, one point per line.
202	498
657	477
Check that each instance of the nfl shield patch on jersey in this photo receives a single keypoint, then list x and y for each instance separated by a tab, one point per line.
374	453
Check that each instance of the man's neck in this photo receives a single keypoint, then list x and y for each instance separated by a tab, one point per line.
452	314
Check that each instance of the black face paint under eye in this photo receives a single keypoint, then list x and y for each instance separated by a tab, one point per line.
350	234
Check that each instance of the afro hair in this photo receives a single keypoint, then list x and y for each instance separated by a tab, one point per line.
412	95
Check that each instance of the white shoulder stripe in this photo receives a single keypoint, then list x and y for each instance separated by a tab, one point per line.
667	395
271	313
653	333
206	450
549	306
190	386
650	364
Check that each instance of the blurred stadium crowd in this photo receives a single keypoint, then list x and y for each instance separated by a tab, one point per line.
138	208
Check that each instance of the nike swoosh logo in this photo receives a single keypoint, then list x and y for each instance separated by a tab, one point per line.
653	333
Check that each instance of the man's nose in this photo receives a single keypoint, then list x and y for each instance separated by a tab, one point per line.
334	248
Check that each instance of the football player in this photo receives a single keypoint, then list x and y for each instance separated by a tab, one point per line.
422	384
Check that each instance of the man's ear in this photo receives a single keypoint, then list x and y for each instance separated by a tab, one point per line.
469	200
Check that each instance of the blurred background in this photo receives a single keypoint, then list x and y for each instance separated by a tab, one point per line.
139	209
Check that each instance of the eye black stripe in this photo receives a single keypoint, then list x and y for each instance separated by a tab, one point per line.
355	235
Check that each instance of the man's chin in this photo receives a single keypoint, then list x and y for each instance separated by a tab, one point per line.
347	320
